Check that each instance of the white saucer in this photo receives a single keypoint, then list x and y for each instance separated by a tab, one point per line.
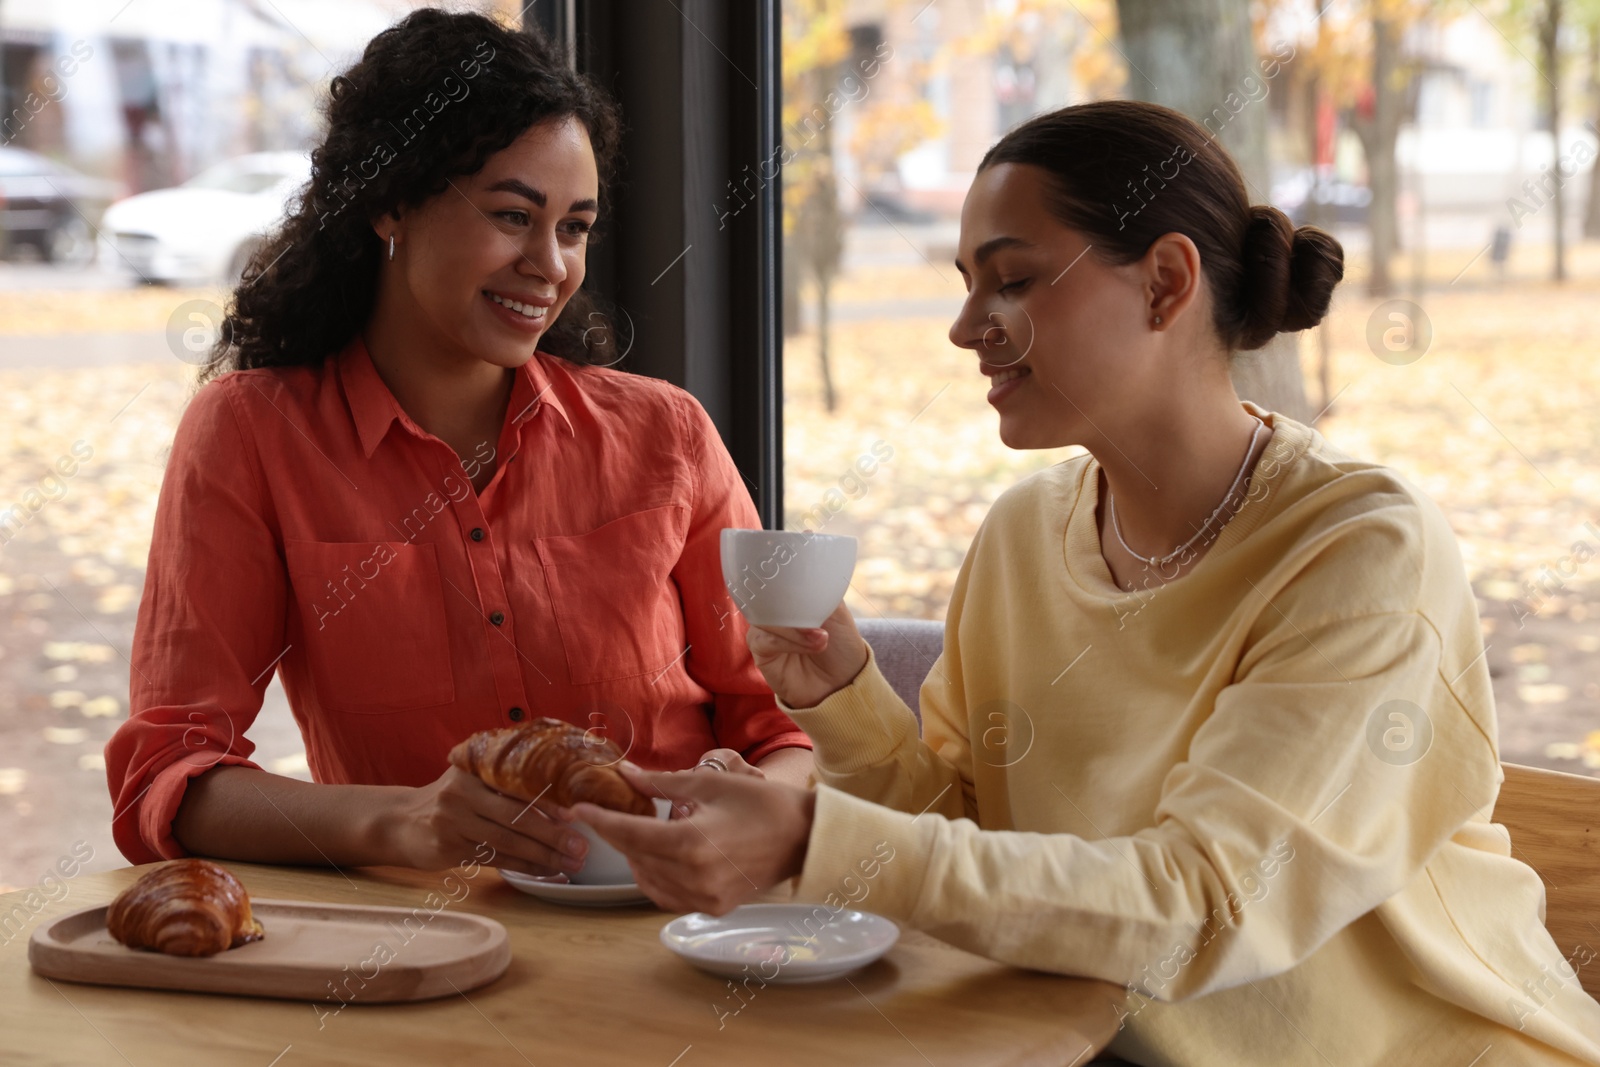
781	943
556	891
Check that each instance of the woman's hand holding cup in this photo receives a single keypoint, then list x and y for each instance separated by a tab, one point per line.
784	582
804	665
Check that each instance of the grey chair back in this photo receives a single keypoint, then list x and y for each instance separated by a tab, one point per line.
906	650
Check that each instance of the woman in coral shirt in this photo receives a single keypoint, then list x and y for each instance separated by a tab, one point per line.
425	526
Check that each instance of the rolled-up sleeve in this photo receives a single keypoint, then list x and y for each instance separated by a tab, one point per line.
210	626
745	716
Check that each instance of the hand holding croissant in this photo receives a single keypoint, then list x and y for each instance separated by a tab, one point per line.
550	760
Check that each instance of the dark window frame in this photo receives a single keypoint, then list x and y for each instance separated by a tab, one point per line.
700	90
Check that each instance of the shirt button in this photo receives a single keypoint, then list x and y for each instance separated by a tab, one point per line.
497	617
515	714
477	533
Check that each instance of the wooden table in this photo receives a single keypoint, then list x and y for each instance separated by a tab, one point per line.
585	986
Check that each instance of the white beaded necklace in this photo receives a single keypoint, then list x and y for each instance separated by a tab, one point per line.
1157	561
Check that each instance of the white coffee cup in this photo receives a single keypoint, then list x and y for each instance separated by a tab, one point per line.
786	577
603	864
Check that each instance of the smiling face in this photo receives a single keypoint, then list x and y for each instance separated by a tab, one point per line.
1064	338
489	264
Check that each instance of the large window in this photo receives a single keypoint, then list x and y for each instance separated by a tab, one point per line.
1462	362
1451	354
103	318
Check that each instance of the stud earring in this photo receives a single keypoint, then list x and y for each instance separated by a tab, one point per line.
391	252
391	256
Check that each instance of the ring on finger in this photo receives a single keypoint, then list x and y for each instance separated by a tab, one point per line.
714	763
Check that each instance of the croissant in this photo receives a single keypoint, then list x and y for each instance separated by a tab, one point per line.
189	907
551	759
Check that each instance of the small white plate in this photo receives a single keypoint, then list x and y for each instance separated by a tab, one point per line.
781	943
559	891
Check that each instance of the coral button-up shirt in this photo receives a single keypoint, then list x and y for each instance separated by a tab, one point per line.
307	525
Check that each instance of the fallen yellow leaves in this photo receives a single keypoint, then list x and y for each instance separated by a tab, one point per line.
115	599
142	309
1588	750
101	708
78	650
295	764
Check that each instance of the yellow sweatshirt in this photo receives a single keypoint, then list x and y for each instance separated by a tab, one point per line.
1258	795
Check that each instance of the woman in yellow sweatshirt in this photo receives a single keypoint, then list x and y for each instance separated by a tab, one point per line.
1212	719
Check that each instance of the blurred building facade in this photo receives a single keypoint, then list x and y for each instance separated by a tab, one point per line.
1475	135
150	92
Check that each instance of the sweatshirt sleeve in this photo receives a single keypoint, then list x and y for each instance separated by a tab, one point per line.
745	714
1335	764
867	742
210	627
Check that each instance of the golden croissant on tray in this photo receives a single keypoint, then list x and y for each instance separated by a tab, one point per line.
552	760
189	907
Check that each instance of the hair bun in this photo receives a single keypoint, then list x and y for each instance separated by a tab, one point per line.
1289	276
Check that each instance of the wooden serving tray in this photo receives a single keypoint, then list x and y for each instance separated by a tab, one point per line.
333	953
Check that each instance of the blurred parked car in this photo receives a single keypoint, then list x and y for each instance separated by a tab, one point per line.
1307	197
206	229
47	207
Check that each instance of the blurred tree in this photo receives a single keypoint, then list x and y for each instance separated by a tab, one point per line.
815	42
1319	76
1202	51
821	77
1357	57
1381	104
1547	26
1552	24
886	127
1375	117
1589	15
1068	43
818	244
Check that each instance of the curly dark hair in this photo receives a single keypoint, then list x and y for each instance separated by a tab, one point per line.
310	287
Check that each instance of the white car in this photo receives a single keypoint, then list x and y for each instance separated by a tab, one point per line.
205	229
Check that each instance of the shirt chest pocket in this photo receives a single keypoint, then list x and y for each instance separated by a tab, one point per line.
611	590
373	619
